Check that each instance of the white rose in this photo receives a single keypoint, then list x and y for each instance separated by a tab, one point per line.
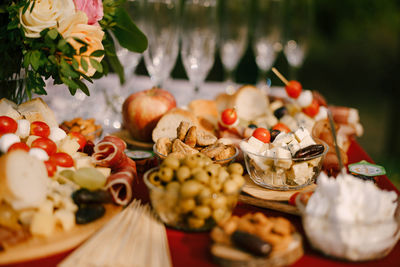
45	14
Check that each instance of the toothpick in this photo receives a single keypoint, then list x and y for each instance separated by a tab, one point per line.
280	76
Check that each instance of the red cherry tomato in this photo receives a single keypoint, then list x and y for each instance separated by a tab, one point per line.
262	134
40	128
293	89
312	109
229	116
46	144
292	199
62	159
51	167
19	145
305	197
80	138
281	127
7	125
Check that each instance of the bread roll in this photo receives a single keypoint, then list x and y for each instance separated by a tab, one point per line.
250	102
37	110
9	108
23	180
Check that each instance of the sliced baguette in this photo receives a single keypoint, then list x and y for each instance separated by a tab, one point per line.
23	180
206	112
250	102
37	110
9	108
167	125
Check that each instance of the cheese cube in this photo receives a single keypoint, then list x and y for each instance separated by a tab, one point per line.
314	162
307	141
30	139
258	146
305	98
47	206
300	133
304	121
293	146
289	121
266	121
68	204
81	162
299	173
42	224
26	216
275	105
57	134
283	138
68	145
65	218
322	114
283	158
104	170
269	155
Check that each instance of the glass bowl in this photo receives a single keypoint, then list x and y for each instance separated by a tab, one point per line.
198	212
349	241
267	171
222	162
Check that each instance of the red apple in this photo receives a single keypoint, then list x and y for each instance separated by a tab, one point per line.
142	110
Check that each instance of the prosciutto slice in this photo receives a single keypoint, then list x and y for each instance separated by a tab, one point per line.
109	152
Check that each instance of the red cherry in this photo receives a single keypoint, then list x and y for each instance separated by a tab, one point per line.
62	159
80	138
19	145
51	168
46	144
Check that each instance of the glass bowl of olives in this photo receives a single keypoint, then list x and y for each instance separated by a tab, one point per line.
194	193
271	171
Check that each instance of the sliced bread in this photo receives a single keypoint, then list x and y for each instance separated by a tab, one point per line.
37	110
9	108
250	102
207	113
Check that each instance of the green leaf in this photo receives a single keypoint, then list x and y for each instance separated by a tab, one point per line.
83	87
127	34
97	53
84	64
112	58
67	70
97	65
70	83
35	59
53	33
82	50
75	64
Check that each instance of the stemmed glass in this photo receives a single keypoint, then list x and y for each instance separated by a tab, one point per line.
233	23
267	35
298	23
160	24
199	38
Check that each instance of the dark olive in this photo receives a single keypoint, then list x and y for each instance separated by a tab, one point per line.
274	133
252	126
364	177
251	243
88	213
280	112
309	151
85	196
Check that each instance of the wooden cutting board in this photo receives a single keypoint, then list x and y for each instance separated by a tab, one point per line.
124	135
38	247
256	195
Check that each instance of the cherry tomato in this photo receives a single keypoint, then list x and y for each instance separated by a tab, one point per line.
62	159
262	134
19	145
293	89
51	167
305	197
80	138
40	128
312	109
46	144
7	125
292	199
281	127
229	116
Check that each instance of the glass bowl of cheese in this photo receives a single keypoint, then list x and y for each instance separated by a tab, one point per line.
290	162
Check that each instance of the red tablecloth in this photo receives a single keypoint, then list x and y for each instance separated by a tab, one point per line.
192	249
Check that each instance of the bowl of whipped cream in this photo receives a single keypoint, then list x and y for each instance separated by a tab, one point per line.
349	218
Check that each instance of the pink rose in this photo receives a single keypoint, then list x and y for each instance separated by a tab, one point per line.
92	8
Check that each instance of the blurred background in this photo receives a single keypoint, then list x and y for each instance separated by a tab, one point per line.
351	56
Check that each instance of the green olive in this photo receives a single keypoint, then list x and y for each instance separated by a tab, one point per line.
238	179
173	187
213	169
187	205
190	188
202	212
223	174
154	178
218	202
202	177
183	173
230	187
166	174
171	162
235	168
195	222
219	214
215	184
191	161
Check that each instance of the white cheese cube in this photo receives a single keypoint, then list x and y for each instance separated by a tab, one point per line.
269	155
81	162
289	121
8	140
46	207
38	153
307	141
42	224
268	176
68	204
24	128
283	158
104	170
275	105
300	133
283	139
68	145
57	134
304	121
322	114
266	121
65	218
305	98
258	146
299	172
293	147
314	162
26	216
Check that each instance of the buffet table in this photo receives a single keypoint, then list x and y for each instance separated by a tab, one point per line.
192	249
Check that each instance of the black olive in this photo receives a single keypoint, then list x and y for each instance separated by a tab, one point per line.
309	151
88	213
251	243
280	112
364	177
252	126
274	133
85	196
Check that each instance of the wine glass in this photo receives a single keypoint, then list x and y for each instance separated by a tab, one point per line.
160	24
233	30
267	36
297	28
199	38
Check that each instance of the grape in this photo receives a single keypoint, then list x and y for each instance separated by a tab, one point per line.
89	178
69	174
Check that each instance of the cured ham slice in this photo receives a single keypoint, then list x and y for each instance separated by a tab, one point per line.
109	152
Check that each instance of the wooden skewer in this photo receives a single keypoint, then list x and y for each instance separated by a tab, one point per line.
280	76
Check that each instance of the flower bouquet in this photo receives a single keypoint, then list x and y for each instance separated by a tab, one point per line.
66	40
